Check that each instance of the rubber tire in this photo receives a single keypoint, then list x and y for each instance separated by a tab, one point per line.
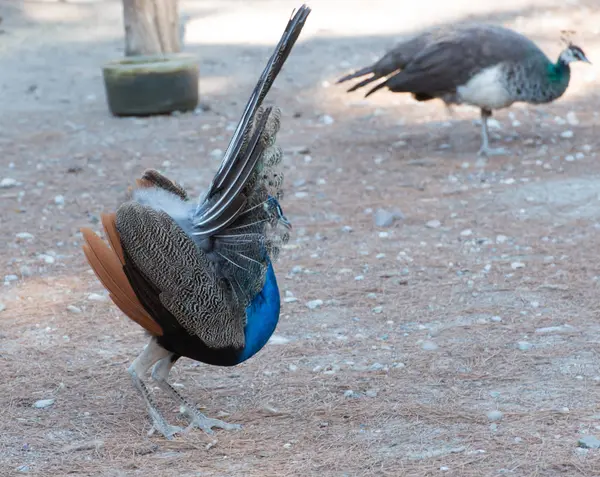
151	84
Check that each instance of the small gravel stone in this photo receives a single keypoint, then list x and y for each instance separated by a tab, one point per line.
429	346
24	236
556	329
96	297
216	153
74	309
326	119
314	304
589	442
524	345
48	259
572	118
517	265
349	394
25	271
59	200
372	393
568	134
376	367
2	307
495	415
43	403
11	278
7	183
278	340
433	224
385	218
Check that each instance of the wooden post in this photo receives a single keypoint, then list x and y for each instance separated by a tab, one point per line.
151	27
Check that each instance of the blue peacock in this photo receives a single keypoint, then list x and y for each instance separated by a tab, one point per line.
198	276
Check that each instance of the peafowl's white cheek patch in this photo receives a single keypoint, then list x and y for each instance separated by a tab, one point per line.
486	90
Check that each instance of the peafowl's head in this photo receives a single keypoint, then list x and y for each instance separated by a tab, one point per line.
573	53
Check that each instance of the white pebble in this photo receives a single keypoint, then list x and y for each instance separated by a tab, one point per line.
572	118
278	340
495	415
7	183
466	232
24	235
524	345
96	297
74	309
568	134
517	265
216	153
326	119
59	200
433	224
43	403
49	259
429	346
313	304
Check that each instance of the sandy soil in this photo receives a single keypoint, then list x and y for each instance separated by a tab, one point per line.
481	298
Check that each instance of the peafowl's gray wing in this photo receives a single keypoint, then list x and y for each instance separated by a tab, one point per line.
451	56
200	266
394	60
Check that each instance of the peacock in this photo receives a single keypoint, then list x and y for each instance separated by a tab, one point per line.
198	276
487	66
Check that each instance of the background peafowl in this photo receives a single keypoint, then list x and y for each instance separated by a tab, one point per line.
486	66
199	277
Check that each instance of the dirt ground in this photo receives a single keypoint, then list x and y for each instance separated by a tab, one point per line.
480	297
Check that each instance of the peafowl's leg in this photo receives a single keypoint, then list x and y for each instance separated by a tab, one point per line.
140	366
160	373
485	149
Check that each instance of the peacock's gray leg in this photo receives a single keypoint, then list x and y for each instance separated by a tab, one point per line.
152	354
160	373
485	149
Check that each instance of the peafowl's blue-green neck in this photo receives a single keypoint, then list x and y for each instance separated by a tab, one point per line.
262	316
559	72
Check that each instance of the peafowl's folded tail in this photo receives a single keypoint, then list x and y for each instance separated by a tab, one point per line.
107	264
